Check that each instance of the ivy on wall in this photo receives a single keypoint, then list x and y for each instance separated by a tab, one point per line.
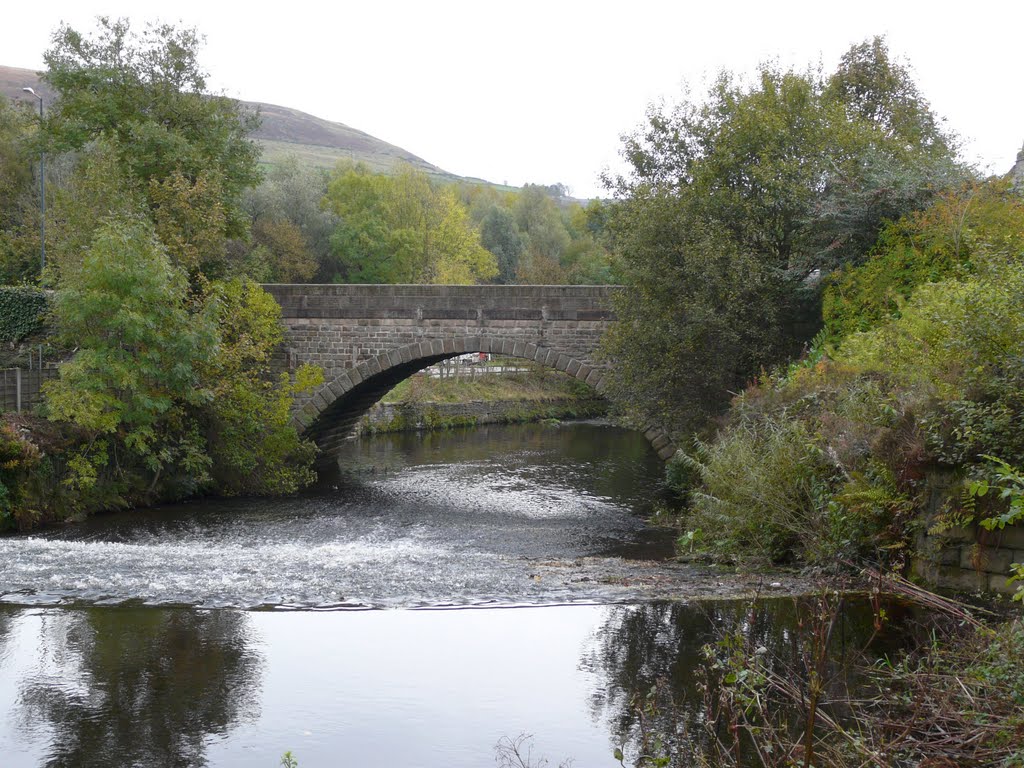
22	310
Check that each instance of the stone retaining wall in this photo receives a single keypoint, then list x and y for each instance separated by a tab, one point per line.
964	558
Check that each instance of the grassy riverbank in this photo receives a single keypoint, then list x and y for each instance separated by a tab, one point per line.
482	397
532	383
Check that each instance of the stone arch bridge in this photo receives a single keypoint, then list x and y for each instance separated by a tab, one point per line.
368	338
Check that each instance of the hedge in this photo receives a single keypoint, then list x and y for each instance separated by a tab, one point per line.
22	311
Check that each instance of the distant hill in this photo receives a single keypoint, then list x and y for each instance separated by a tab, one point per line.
284	131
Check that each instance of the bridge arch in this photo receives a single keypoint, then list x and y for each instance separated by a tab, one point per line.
335	409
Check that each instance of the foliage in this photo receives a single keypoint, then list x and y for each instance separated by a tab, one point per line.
697	320
288	254
96	189
960	342
19	201
290	224
143	93
22	312
400	229
1007	483
253	447
500	236
792	173
134	378
937	243
18	458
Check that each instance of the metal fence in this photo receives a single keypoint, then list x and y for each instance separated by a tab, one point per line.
21	388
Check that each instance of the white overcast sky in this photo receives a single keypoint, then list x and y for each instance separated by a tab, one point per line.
541	91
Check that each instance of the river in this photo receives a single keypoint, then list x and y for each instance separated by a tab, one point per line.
443	593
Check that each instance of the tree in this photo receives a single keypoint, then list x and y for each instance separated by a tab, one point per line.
790	174
142	94
253	447
19	202
544	233
292	193
499	235
401	229
134	378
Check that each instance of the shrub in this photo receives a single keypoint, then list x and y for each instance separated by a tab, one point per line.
22	311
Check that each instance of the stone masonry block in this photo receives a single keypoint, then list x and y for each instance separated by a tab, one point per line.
667	452
359	374
562	362
530	351
437	347
969	580
997	583
988	559
582	373
573	367
1012	537
594	378
340	386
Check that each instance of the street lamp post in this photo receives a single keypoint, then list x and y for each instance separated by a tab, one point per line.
42	192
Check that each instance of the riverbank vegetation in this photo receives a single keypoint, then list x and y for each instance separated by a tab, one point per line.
824	306
478	394
167	391
528	381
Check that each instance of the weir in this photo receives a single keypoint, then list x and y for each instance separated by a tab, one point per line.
368	338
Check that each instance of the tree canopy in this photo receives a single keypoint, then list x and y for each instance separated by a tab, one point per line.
793	174
143	95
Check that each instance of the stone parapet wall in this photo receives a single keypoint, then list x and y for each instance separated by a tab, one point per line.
340	326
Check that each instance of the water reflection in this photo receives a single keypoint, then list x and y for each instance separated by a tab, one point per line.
637	646
181	687
137	686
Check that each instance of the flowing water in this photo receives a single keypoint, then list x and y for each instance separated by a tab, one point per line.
443	592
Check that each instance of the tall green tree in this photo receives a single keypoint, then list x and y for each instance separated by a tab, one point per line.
143	94
19	202
401	229
787	175
500	236
134	379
